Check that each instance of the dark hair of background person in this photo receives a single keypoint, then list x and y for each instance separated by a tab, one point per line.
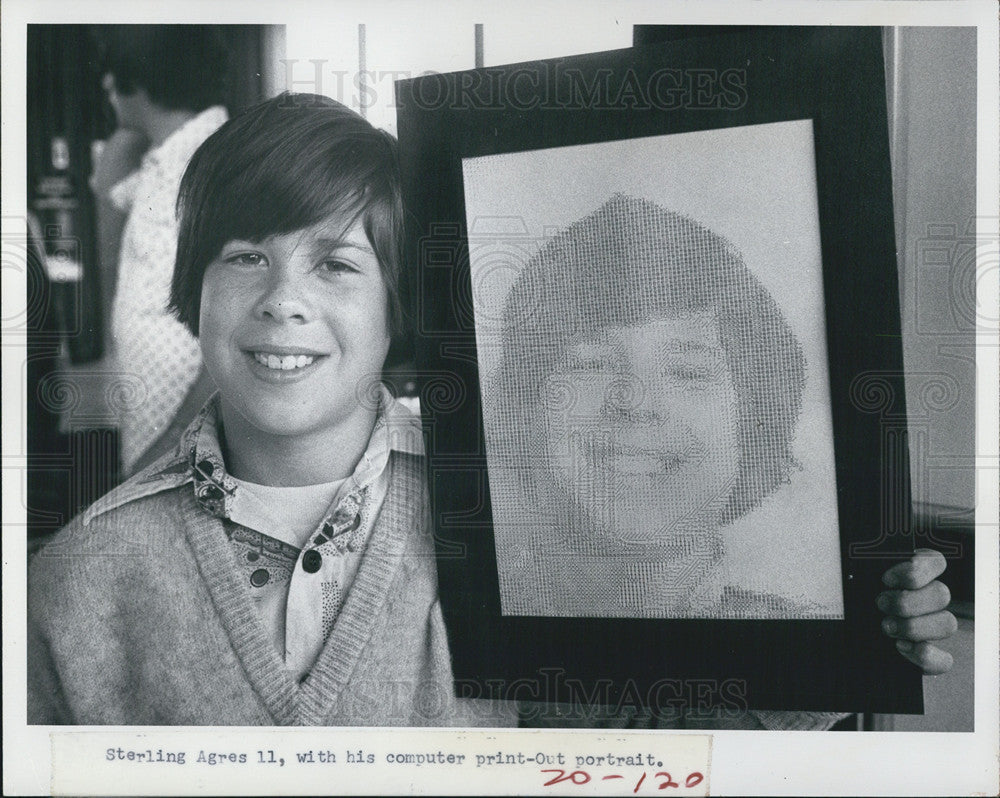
178	66
280	166
629	262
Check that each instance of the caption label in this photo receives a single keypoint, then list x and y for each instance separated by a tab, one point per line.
379	761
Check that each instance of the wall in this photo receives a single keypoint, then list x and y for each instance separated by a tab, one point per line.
932	99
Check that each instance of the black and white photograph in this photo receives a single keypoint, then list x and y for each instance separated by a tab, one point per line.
500	400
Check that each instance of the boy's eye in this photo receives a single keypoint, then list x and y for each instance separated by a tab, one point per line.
250	259
335	266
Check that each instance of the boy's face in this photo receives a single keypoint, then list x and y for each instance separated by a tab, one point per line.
293	330
648	447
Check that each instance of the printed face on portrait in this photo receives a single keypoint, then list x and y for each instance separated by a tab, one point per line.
645	439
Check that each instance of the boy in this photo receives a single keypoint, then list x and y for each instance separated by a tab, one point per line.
277	567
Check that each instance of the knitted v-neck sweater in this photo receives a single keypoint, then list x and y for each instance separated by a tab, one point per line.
140	616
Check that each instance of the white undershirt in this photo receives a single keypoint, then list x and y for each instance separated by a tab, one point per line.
288	514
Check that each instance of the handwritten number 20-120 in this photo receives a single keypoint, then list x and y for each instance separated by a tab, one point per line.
582	777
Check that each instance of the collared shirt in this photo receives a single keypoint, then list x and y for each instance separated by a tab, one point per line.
158	357
298	576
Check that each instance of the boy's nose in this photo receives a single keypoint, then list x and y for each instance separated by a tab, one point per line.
281	302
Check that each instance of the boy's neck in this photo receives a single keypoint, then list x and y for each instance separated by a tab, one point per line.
294	460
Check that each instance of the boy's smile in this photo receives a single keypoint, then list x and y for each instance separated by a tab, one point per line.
282	363
294	329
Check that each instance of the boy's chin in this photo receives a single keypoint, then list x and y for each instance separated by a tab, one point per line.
645	533
278	420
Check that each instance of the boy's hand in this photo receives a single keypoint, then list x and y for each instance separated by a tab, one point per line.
914	606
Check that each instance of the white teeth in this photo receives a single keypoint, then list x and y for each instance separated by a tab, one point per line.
283	363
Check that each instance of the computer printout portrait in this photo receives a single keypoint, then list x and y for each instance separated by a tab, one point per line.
650	329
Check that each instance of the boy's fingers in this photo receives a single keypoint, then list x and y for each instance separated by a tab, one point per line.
929	658
921	569
937	626
910	603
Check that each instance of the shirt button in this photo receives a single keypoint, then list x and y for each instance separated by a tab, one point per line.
260	577
311	561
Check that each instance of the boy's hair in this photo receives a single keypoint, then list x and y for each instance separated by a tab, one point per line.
179	66
280	166
627	263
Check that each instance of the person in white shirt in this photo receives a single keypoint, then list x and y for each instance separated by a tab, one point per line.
166	84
